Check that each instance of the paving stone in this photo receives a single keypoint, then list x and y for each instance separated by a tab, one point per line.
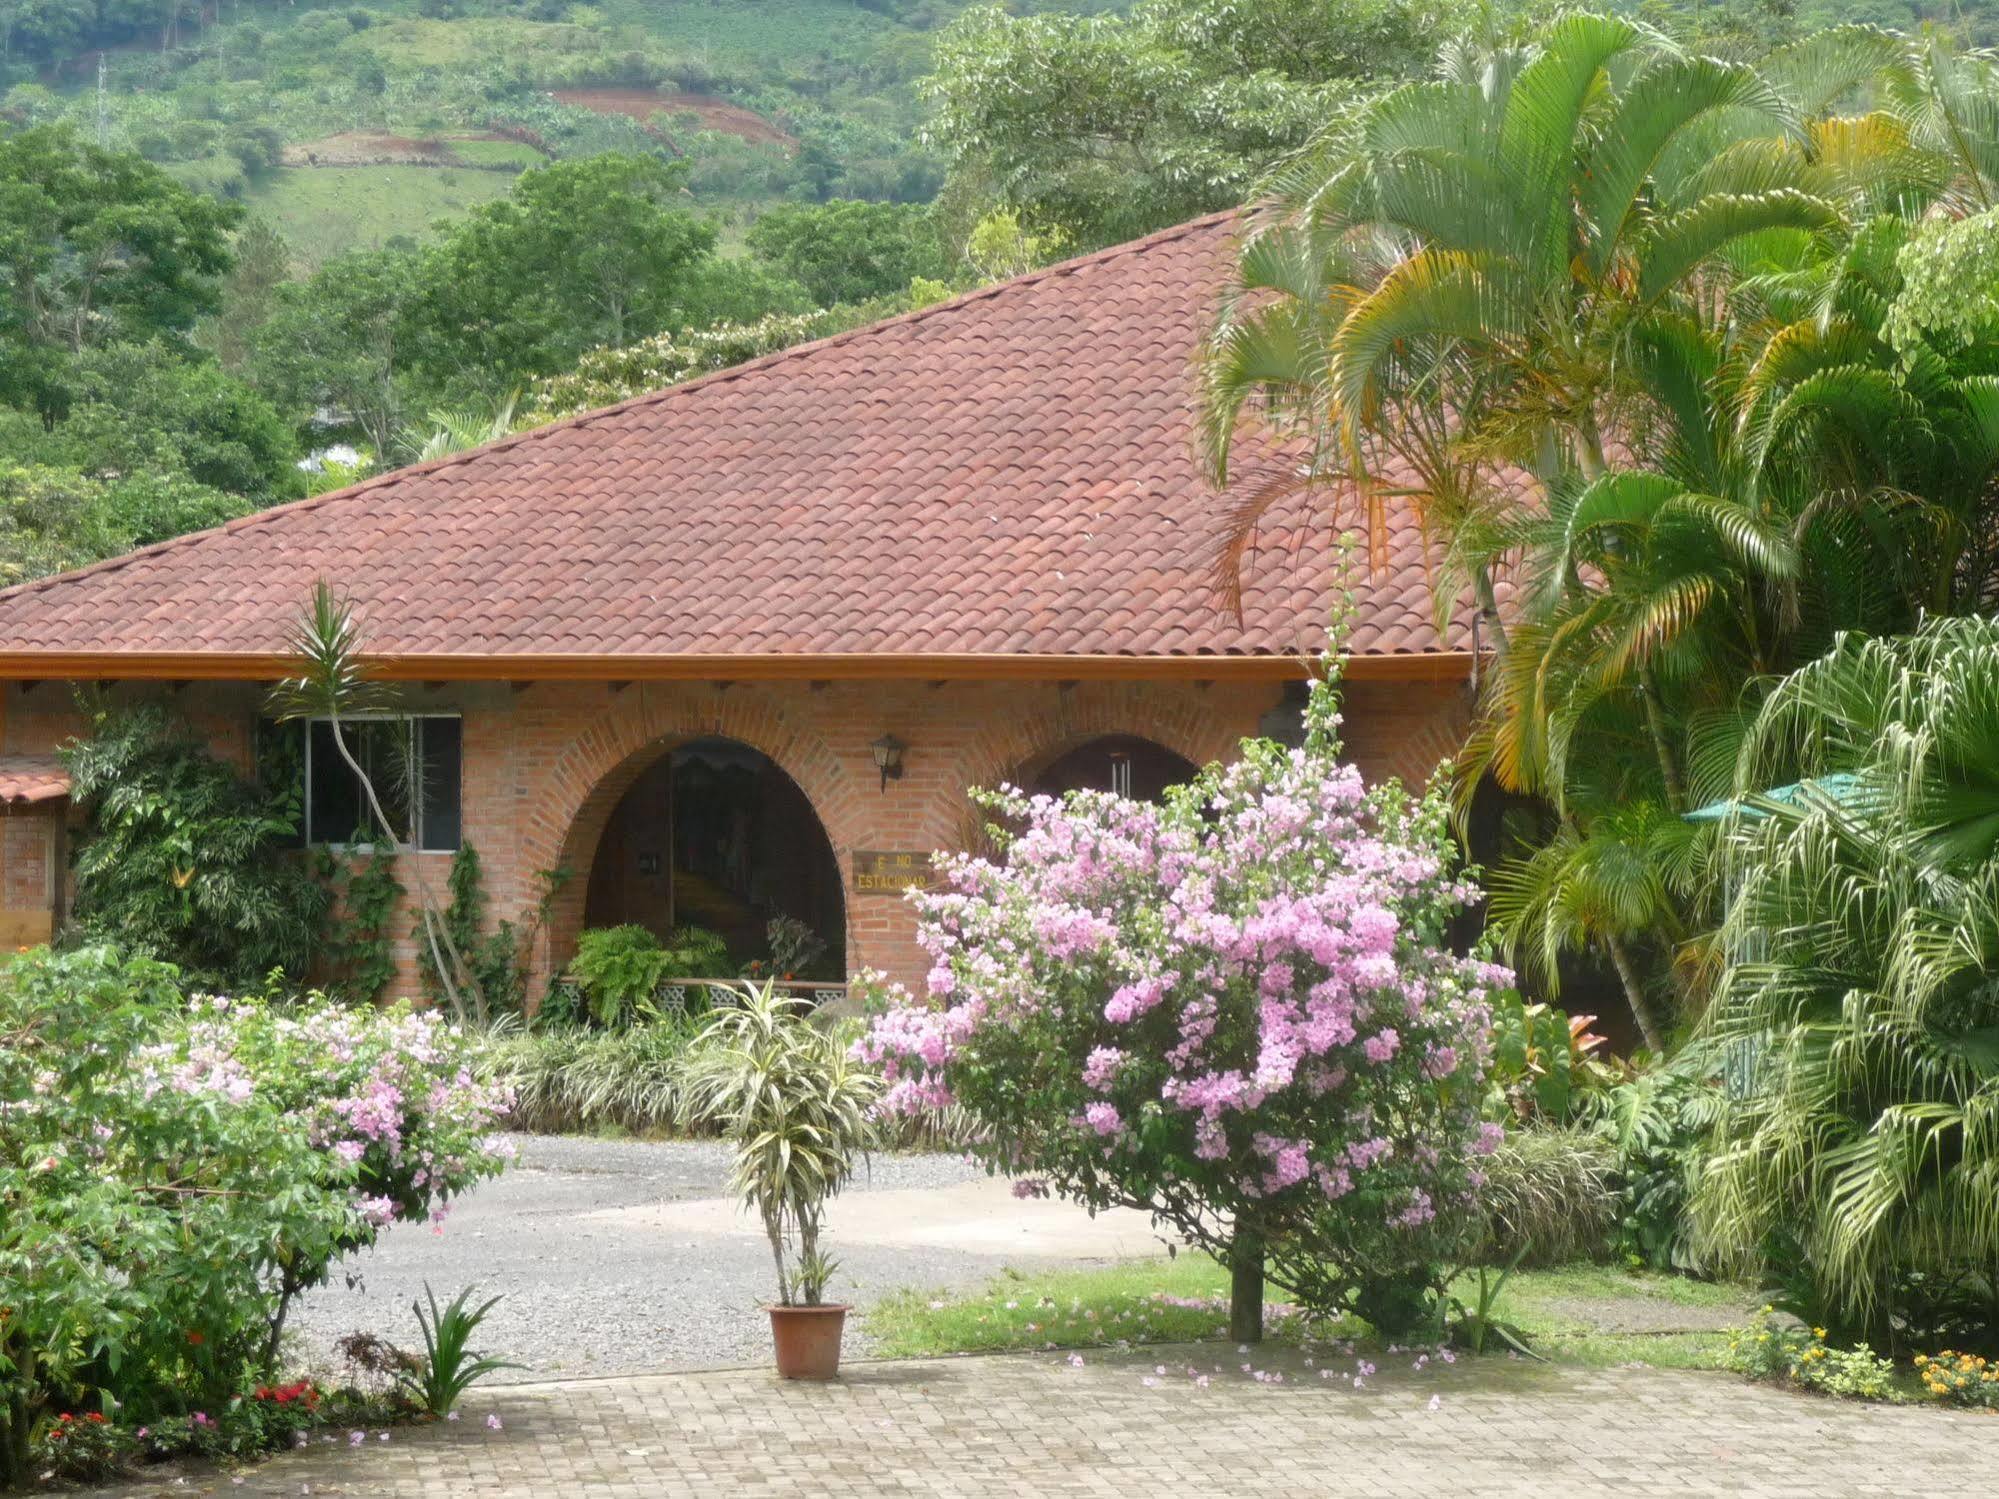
1034	1426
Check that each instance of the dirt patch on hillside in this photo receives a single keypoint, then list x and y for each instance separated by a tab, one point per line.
715	114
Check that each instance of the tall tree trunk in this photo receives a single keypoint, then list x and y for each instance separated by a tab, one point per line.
17	1419
1246	1286
1662	746
1651	1024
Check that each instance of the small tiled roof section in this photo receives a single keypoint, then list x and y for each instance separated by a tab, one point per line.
1011	473
32	778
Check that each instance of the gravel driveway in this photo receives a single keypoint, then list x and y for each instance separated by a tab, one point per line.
617	1257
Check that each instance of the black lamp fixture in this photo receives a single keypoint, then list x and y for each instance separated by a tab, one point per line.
888	758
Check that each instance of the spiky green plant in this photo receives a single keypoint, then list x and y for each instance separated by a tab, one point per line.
449	1366
795	1105
1858	1024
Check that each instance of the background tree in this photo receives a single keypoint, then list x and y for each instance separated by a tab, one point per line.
261	264
54	519
1111	126
95	246
848	251
338	341
581	253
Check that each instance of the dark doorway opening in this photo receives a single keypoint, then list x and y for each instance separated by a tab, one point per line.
1123	763
715	835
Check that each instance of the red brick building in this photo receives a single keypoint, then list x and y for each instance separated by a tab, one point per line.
665	645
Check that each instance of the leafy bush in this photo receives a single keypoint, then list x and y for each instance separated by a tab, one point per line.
1801	1355
618	970
183	857
1549	1197
567	1078
1953	1378
1238	1005
1658	1124
1546	1064
170	1176
1856	1155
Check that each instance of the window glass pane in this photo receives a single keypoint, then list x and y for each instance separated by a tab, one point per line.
442	740
388	750
335	794
340	813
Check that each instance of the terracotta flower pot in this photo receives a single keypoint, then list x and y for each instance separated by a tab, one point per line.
808	1340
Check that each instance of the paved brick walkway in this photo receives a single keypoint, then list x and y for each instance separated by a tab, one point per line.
1032	1426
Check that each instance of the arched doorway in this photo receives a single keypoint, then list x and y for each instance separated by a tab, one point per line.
714	834
1125	763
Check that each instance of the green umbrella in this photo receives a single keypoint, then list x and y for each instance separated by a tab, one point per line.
1841	787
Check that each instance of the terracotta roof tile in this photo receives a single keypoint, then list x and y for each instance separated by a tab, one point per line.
1010	472
32	778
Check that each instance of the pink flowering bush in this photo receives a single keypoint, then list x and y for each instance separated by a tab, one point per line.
174	1171
1238	1011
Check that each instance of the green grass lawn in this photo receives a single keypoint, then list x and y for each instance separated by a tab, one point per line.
324	211
1584	1314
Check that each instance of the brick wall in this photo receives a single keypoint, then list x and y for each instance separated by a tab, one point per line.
546	763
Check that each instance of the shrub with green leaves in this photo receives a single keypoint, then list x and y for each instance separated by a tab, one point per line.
182	856
1779	1350
173	1172
1657	1124
618	970
1549	1197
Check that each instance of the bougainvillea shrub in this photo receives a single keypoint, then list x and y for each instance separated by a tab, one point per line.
1237	1010
174	1170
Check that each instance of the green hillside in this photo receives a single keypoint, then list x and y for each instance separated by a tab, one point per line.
763	99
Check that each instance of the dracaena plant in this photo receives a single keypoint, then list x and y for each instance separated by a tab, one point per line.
331	680
795	1106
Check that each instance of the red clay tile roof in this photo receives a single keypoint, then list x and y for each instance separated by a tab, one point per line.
1007	474
32	778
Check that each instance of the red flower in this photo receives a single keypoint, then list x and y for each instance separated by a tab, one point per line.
96	1416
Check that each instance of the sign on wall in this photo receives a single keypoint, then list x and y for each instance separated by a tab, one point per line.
880	873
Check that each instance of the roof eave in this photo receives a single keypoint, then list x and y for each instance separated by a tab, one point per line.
231	666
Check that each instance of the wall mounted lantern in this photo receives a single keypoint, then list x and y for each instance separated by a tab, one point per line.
888	758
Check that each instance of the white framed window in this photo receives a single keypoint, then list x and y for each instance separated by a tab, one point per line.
415	765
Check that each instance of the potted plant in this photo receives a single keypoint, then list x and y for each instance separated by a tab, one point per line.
795	1105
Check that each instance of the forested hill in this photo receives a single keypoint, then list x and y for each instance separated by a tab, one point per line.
251	248
349	125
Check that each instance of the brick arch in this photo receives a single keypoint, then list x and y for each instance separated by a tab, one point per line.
1032	740
594	771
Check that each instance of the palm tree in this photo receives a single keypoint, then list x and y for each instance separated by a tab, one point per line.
1613	319
459	431
1437	296
1860	1015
